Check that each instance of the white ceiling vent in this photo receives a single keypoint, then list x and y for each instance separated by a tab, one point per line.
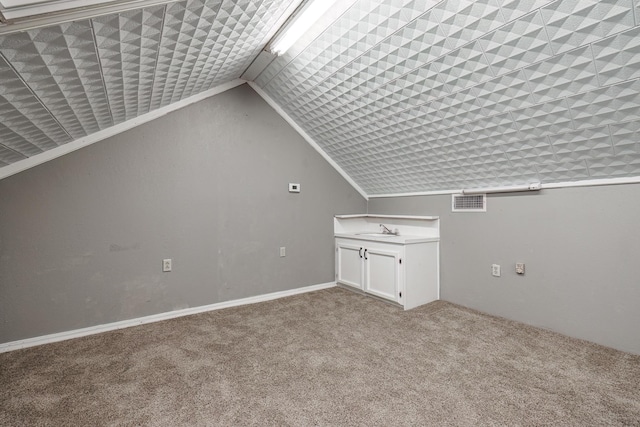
468	202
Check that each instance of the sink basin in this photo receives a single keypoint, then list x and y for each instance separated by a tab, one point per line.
375	235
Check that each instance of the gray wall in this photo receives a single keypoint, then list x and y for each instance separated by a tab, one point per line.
581	247
82	237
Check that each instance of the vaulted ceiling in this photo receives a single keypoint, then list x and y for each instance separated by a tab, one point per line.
403	95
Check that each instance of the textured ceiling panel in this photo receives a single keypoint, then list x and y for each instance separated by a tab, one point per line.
128	46
469	93
65	81
26	127
61	66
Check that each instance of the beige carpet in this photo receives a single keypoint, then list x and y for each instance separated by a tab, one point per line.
326	358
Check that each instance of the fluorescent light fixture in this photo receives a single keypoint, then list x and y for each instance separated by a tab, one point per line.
535	186
301	22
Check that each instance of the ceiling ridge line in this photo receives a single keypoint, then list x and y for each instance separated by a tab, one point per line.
266	39
24	82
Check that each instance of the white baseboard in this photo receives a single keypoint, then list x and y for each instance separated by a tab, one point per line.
67	335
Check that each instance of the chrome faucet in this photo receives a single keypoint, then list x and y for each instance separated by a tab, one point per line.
385	230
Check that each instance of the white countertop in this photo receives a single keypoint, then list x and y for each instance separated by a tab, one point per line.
422	218
401	239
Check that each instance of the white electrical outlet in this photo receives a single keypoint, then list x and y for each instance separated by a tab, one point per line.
495	270
166	265
283	251
519	267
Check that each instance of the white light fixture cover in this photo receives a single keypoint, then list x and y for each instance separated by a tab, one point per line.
304	19
535	186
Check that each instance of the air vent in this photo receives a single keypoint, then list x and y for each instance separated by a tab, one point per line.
469	203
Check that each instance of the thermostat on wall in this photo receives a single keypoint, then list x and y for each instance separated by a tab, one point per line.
294	188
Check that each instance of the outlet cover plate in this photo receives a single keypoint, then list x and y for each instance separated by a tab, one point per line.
495	270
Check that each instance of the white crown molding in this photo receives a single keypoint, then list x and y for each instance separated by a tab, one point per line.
67	335
307	138
54	153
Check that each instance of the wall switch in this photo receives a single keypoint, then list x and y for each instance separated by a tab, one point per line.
495	270
283	251
294	188
166	265
519	267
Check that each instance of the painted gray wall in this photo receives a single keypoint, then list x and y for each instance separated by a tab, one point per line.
82	237
581	247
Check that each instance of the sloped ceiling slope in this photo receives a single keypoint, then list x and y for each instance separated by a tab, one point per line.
417	96
60	83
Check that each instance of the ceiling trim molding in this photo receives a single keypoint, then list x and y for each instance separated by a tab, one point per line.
54	153
307	138
47	17
548	186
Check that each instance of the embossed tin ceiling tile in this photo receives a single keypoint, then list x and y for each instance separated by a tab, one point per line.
583	144
516	45
329	47
563	75
8	156
460	108
614	166
613	104
29	127
61	65
187	25
571	24
563	171
464	67
617	58
514	9
626	138
465	21
128	45
544	119
502	94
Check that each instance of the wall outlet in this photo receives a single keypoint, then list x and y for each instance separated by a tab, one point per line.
283	251
294	187
495	270
519	267
166	265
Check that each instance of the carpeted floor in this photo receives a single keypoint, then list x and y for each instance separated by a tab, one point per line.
329	358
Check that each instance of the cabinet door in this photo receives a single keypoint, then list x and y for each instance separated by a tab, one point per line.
382	273
349	264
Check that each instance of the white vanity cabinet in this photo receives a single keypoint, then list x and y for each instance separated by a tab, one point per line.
401	268
369	266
